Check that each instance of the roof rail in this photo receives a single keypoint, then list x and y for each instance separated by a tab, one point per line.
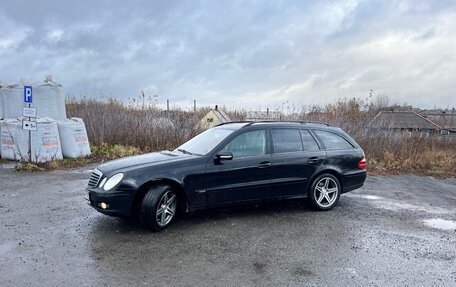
234	122
317	123
297	122
249	123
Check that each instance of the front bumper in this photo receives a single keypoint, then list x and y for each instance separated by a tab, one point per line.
117	203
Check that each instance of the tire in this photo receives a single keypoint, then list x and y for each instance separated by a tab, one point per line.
158	207
324	193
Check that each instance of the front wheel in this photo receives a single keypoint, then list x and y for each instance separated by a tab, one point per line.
324	192
158	207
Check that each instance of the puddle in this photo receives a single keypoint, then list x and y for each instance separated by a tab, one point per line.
372	197
383	203
8	165
365	196
399	206
6	248
440	223
79	171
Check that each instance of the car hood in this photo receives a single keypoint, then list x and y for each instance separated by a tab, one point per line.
143	160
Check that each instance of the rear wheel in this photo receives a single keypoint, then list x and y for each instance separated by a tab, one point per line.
158	208
324	192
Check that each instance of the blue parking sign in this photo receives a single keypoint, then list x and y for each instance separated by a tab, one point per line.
27	94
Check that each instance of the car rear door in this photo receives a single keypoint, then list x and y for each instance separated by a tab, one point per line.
245	177
342	155
295	158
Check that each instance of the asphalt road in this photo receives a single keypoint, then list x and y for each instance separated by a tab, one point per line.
396	231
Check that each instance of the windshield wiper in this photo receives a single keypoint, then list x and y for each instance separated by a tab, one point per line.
184	151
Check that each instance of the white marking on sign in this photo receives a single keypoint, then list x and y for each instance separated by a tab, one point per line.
29	112
29	125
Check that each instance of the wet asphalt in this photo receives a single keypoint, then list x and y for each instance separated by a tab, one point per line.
395	231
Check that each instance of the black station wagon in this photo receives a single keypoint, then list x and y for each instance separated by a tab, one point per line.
231	163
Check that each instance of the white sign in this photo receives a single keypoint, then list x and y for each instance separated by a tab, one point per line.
29	112
28	94
29	125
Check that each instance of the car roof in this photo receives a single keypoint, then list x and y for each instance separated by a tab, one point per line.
285	124
241	124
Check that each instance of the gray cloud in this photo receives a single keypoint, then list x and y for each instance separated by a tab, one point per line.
236	53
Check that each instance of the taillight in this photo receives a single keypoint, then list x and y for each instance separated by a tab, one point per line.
362	163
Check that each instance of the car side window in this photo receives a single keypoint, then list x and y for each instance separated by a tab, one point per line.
333	141
286	140
308	140
248	144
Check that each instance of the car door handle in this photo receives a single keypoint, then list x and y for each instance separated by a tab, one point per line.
264	164
313	159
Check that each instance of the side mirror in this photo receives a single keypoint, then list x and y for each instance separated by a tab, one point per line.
224	155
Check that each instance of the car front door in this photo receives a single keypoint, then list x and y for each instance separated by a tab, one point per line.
295	158
244	177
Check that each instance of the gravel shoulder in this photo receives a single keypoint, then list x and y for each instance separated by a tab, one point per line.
395	231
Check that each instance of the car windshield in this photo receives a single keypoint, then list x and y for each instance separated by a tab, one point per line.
206	141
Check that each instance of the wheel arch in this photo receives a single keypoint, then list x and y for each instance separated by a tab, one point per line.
142	190
331	171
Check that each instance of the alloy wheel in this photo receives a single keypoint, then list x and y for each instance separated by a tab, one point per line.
166	208
326	192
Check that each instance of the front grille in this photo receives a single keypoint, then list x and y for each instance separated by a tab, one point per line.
95	178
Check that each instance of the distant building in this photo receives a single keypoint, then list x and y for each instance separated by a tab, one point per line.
262	116
213	118
445	118
406	122
399	108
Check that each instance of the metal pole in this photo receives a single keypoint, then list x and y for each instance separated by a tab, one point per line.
167	105
452	118
194	105
30	140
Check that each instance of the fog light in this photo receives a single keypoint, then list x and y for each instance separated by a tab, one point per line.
104	205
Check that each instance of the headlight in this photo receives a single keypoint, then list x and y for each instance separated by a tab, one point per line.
102	182
113	181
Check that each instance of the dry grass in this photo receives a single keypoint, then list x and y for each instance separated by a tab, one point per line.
108	152
396	154
101	153
116	130
149	129
28	167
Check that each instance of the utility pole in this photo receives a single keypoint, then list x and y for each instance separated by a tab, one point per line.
452	117
194	105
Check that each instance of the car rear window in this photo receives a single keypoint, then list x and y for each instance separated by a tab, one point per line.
286	140
309	141
333	141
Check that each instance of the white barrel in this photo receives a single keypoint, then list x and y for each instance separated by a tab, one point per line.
48	98
1	124
2	84
14	141
1	104
45	141
12	101
73	138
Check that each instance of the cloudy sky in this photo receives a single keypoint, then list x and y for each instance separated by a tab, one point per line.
235	53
